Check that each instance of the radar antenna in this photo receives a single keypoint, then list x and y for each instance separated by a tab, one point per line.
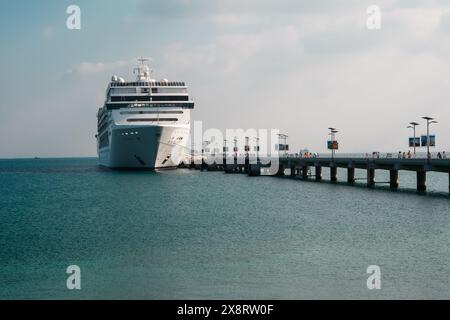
142	60
142	71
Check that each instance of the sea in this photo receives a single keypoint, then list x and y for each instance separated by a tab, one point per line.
187	234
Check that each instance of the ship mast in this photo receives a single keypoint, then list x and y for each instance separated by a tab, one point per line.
142	70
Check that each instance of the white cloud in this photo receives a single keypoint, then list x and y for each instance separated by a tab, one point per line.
94	68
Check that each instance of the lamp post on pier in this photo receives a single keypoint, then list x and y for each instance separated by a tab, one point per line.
429	122
332	134
413	126
257	150
235	149
284	137
224	152
247	146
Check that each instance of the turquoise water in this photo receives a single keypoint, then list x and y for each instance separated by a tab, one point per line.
208	235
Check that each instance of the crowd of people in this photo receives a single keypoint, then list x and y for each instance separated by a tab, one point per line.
410	155
376	155
307	154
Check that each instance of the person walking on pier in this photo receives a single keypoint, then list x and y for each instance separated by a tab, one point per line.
439	155
444	155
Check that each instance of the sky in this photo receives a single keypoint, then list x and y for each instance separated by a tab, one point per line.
299	66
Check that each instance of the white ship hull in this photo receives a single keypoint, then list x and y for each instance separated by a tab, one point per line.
145	147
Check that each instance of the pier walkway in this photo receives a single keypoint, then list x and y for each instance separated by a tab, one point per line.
312	167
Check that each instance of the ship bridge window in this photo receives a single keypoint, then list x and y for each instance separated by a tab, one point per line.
171	90
170	98
153	112
122	90
130	98
152	119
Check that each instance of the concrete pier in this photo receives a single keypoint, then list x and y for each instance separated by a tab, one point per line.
393	179
351	175
300	166
393	165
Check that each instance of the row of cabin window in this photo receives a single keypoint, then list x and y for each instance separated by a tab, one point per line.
149	98
141	84
147	90
152	119
164	90
188	105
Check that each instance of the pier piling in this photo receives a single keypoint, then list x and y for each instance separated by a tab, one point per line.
421	180
304	172
370	177
319	173
293	171
254	170
280	171
247	164
393	181
351	175
333	174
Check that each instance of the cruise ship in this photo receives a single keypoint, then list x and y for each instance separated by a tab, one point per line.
145	123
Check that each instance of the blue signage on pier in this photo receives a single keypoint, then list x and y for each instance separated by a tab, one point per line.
424	140
332	145
414	142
